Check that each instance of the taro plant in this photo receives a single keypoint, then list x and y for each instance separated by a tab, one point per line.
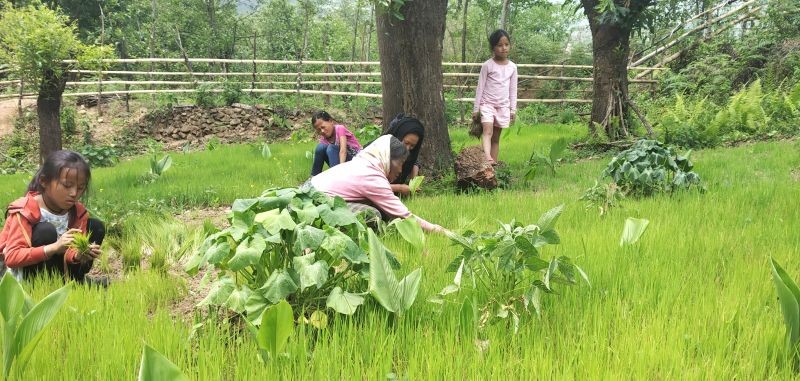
789	295
604	197
538	160
155	367
507	272
649	167
294	244
277	326
23	322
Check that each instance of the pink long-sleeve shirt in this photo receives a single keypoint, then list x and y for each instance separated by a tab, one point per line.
362	179
497	85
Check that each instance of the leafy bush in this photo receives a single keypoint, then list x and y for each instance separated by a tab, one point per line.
532	113
603	197
649	167
689	127
23	321
548	161
743	116
100	156
232	92
69	122
204	96
506	270
368	133
302	246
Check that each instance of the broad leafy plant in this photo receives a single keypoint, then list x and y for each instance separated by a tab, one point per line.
506	272
649	167
294	244
548	161
156	367
789	295
23	322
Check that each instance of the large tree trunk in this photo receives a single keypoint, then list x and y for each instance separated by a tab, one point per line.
610	49
48	105
411	76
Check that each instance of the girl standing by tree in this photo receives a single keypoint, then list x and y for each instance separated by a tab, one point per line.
496	96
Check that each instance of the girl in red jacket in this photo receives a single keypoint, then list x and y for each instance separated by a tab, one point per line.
41	225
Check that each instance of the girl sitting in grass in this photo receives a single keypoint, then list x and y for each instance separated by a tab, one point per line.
336	143
41	227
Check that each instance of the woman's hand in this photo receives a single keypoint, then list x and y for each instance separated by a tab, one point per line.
402	189
93	253
476	116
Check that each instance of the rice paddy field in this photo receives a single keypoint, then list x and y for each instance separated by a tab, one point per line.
692	300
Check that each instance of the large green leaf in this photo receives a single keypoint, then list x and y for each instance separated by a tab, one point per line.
30	328
338	216
307	237
548	220
556	149
220	292
408	288
218	252
254	306
155	367
279	285
307	214
410	230
343	302
12	297
634	228
789	296
311	273
248	253
275	223
338	244
394	296
277	325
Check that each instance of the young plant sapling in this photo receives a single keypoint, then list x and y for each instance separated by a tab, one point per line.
414	184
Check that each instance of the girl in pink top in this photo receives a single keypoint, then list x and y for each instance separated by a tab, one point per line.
366	179
336	143
496	95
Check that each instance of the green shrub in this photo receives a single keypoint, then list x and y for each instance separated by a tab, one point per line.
649	167
301	246
100	156
744	115
507	273
69	122
204	96
232	92
689	127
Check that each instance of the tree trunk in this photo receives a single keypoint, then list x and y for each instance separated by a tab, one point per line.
48	105
411	76
610	50
504	15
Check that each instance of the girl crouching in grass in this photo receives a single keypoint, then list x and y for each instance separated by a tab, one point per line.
42	228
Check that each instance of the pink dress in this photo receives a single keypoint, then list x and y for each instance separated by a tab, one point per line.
496	95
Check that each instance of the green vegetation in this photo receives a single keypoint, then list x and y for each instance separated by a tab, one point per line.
690	299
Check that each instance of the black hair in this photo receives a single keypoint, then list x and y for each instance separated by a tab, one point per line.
321	114
495	37
397	150
52	166
399	127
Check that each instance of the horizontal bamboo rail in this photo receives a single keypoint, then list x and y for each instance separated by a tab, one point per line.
333	63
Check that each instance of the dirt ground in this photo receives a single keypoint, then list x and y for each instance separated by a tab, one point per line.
9	112
104	128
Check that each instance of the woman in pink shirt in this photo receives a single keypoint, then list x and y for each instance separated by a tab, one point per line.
336	143
496	96
367	179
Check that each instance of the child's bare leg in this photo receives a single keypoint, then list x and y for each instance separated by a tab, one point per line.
486	139
496	142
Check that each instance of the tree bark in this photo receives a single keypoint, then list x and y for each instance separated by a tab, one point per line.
504	15
411	76
610	50
48	104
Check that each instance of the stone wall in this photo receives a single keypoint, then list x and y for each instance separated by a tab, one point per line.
234	124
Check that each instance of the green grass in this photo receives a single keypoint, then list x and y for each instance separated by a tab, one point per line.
692	300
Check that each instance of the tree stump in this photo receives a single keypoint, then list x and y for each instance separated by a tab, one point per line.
472	169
